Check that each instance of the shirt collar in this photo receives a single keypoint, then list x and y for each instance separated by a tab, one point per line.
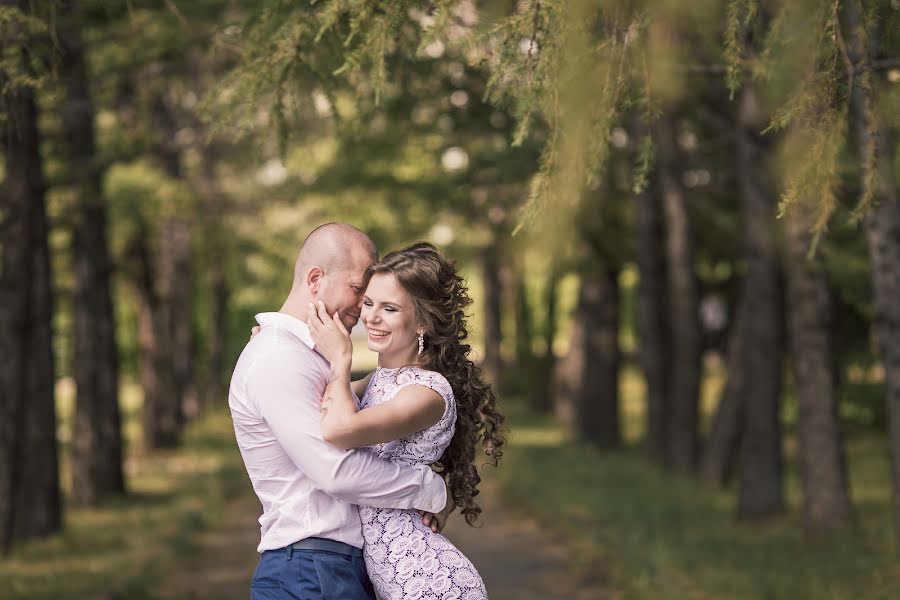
292	324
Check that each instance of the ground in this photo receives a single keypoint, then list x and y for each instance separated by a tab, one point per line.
517	557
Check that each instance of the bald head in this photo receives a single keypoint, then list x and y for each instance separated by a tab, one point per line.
334	246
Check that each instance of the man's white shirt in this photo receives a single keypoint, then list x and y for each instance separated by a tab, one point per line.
306	486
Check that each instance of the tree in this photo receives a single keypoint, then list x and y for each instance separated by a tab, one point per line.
29	474
876	146
96	438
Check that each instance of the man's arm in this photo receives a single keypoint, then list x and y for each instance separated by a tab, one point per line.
288	395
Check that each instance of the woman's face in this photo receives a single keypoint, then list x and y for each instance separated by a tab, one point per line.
389	315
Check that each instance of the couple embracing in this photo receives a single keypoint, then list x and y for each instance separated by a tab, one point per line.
357	478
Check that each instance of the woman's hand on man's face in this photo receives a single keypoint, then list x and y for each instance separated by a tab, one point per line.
330	336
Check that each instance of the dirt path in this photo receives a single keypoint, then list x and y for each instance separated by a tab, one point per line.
516	556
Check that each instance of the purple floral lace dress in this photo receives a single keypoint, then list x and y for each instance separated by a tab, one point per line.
404	558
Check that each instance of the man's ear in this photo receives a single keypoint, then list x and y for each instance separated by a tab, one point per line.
314	279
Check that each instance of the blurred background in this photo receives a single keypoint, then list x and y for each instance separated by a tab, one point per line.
680	223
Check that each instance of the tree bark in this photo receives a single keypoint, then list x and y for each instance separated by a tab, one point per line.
524	330
652	322
97	438
490	265
761	491
542	392
721	451
39	510
882	227
597	358
29	474
683	305
161	419
823	471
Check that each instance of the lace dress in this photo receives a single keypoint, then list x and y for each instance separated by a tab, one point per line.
404	558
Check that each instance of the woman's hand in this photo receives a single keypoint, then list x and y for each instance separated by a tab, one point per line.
331	337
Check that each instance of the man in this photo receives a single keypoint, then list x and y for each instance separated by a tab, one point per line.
311	536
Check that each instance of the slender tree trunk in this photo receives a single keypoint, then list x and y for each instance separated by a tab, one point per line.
219	327
97	439
598	359
212	201
29	474
652	322
683	305
761	491
178	286
490	265
524	332
162	410
174	273
881	224
823	471
721	451
542	392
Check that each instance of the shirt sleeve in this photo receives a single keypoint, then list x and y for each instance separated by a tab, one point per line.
288	392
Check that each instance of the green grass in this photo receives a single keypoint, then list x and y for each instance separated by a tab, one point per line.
122	548
653	535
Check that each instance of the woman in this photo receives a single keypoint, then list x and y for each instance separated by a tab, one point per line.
426	403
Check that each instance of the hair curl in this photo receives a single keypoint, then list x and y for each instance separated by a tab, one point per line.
440	296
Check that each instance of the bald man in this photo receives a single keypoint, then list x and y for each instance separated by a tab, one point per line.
311	539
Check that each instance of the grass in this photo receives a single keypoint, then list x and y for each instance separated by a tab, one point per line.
653	535
121	548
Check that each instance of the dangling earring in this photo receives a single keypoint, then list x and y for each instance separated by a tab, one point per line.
421	341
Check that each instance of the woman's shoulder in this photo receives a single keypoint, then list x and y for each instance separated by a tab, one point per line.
425	377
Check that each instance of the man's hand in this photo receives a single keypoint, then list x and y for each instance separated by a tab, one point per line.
254	331
437	521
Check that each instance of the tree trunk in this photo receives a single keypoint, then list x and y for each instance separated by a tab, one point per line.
96	439
882	229
29	474
22	183
597	358
542	392
761	491
524	333
213	202
720	453
174	272
652	323
882	225
39	512
683	304
162	410
178	294
823	471
219	326
490	265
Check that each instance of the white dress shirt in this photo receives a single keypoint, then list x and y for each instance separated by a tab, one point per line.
306	486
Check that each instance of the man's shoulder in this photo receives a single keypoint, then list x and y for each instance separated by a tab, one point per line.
273	351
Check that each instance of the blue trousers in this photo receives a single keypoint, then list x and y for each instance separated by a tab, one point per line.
287	573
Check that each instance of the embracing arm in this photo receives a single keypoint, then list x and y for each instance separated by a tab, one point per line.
413	409
288	400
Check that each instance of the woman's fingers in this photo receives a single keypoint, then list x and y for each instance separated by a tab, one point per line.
339	324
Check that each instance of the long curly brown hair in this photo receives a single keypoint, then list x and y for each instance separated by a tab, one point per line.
441	297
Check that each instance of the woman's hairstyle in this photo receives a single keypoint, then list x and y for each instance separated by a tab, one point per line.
441	297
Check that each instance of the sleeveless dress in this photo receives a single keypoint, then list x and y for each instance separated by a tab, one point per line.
404	558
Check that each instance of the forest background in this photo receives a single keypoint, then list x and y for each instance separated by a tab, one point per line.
680	221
